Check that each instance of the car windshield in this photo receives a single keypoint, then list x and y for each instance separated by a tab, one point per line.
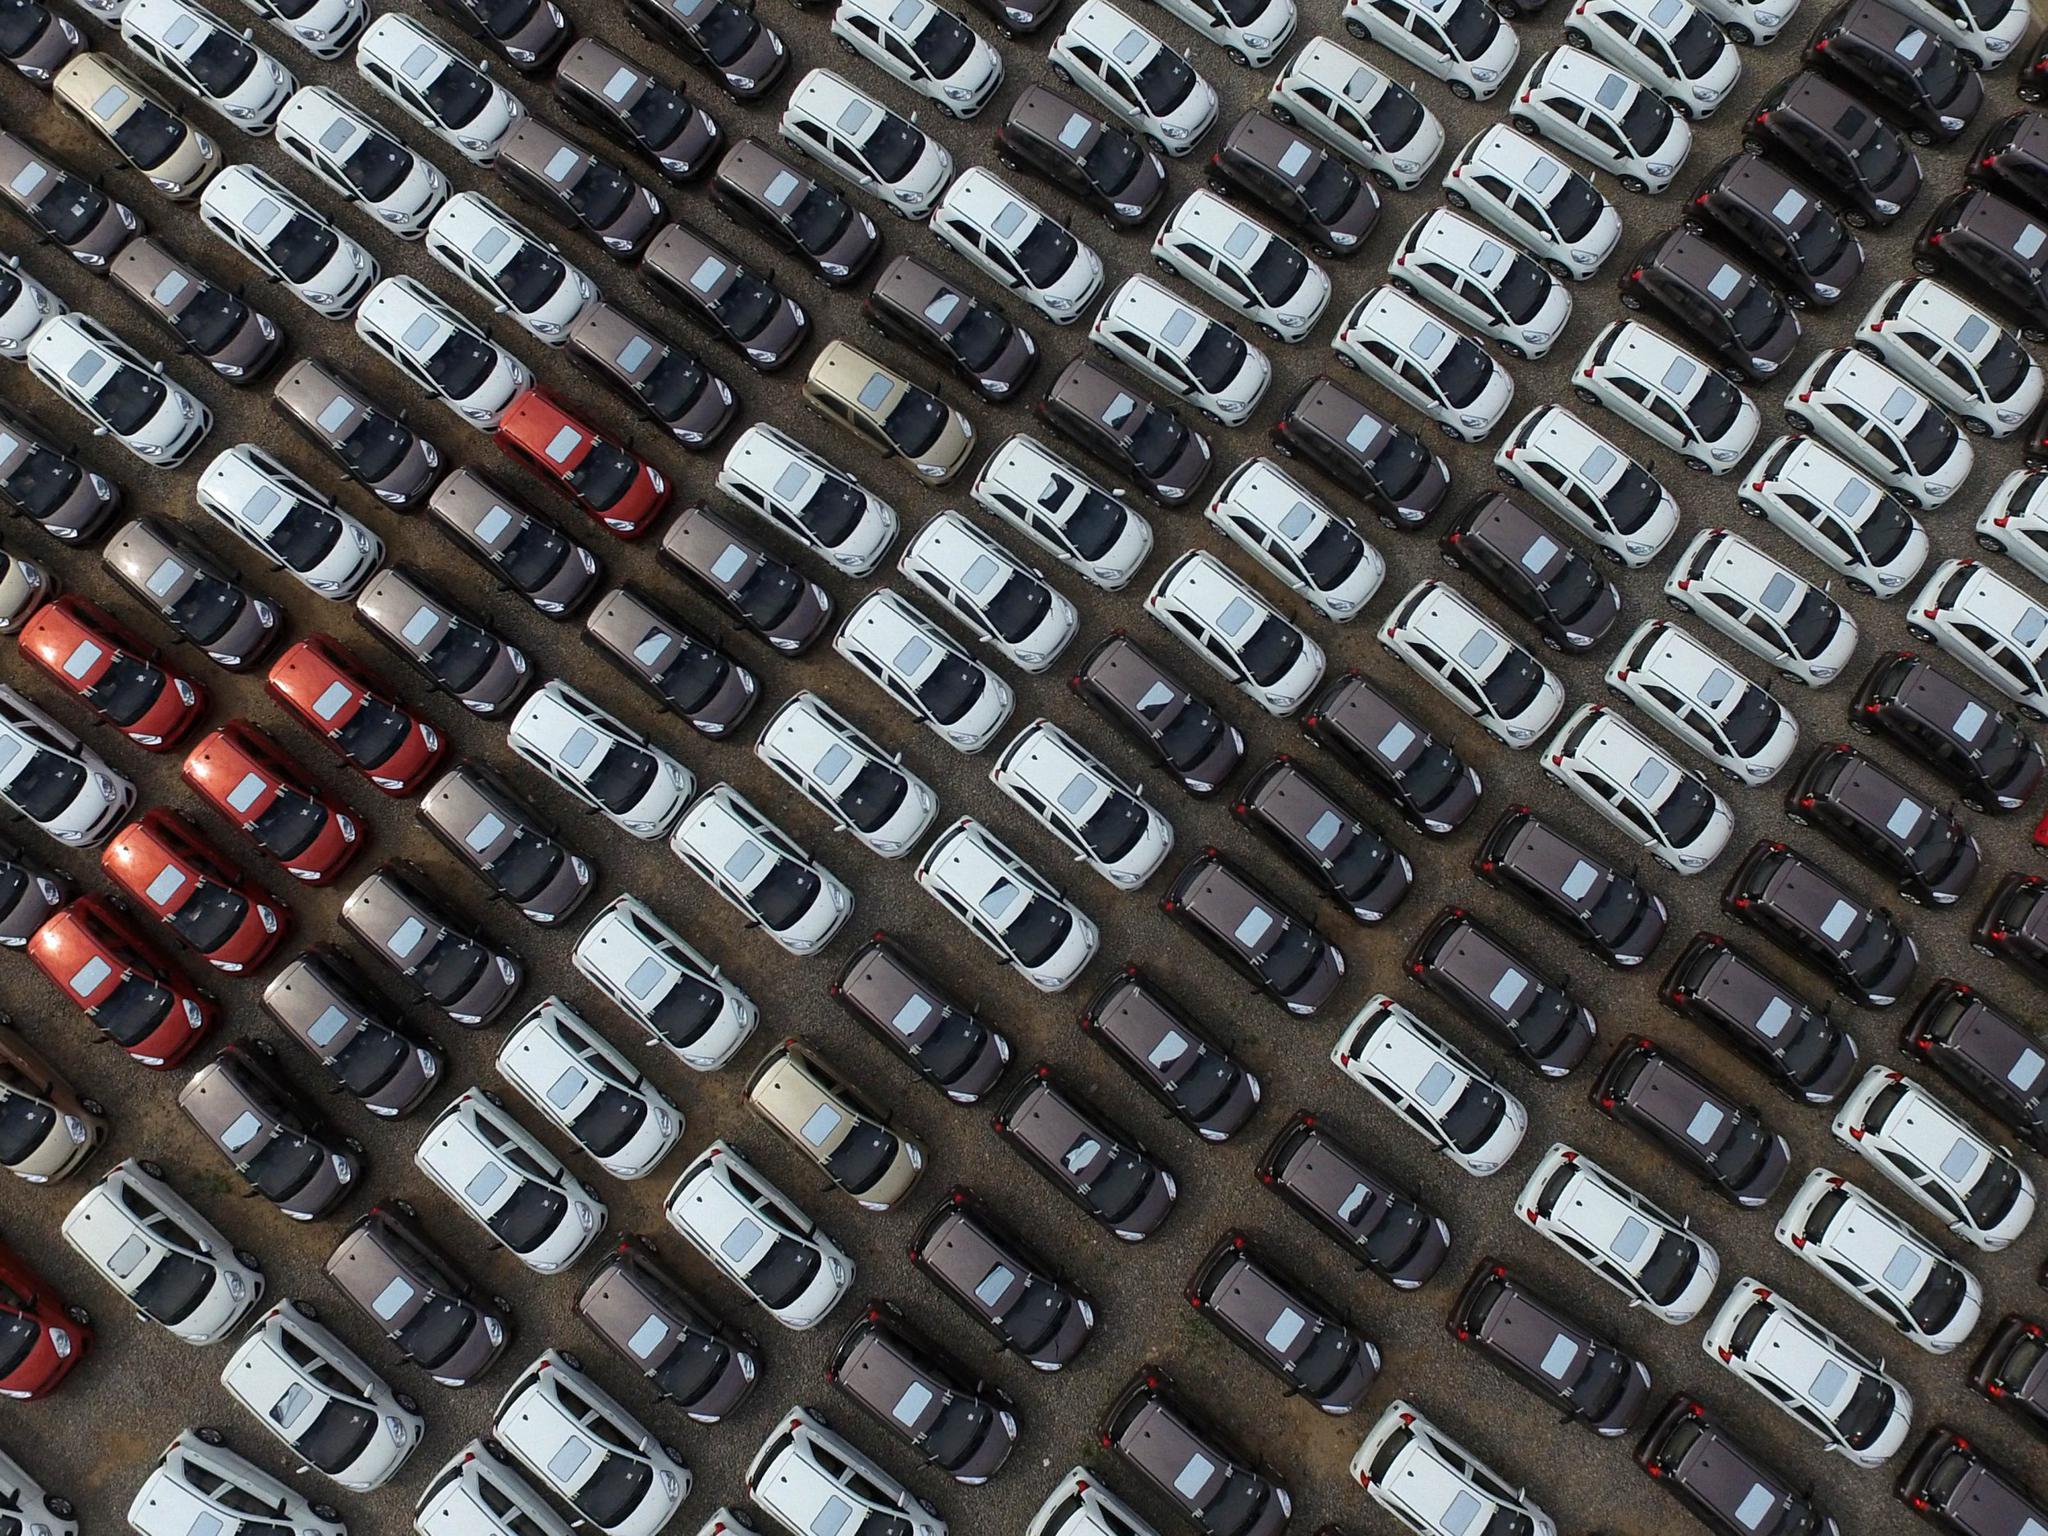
1237	1504
1018	606
1156	441
951	688
303	535
819	219
1575	207
1115	827
1513	685
1331	189
457	94
1744	1150
533	556
1434	773
1046	252
833	509
673	384
376	447
1611	916
1333	554
150	135
1463	372
1685	812
1399	465
1941	75
1199	1080
1112	160
862	1158
523	870
1120	1182
943	44
611	1119
1697	44
222	62
41	482
1165	82
1278	272
1755	314
531	277
24	1122
1929	442
372	733
659	115
1471	1120
1991	1199
604	475
1358	865
1401	1227
209	916
980	337
337	1437
176	1285
127	397
873	796
1812	624
614	1490
377	165
369	1059
1216	357
916	422
1271	649
1576	587
1820	239
1472	27
1191	735
1750	723
769	595
462	655
958	1429
134	1008
22	22
893	147
1869	1410
1038	931
686	1009
301	248
461	363
126	689
525	1220
284	1163
451	967
784	893
621	776
784	1272
208	606
502	18
210	319
18	1333
1714	405
1647	122
693	1364
1037	1315
746	306
1292	959
1673	1263
69	206
434	1333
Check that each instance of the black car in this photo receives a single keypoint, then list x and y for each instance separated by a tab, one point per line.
1548	1350
946	1042
1500	989
1238	919
2032	84
1371	456
1722	1481
1899	66
1350	860
1158	1042
1705	295
721	36
2012	160
1956	1487
976	1259
1385	1227
1285	1328
1423	778
1802	1050
1981	1048
1726	1143
1805	910
1308	187
1829	139
1081	153
1985	751
930	312
1095	1164
1138	437
1536	573
1923	846
1607	910
808	218
1796	237
1152	1427
1979	242
628	104
911	1387
2013	1370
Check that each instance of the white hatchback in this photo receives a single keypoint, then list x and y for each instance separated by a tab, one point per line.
835	122
1463	43
1201	360
521	274
2015	521
1080	1506
200	1485
904	39
1464	656
477	1492
1990	624
1863	1249
1704	702
1008	905
1837	513
990	225
1882	425
1102	818
1648	1255
749	861
1955	354
1243	265
36	752
1522	188
811	1480
324	28
1316	553
1434	1087
1614	123
502	1177
412	328
1135	75
443	92
1762	606
835	765
1666	809
1236	632
589	1091
214	61
1974	1189
1668	395
1432	365
580	1443
1476	276
926	671
809	498
600	761
1251	38
23	314
1433	1485
1094	533
1358	111
294	526
661	982
108	382
299	1381
1004	601
758	1238
361	160
1672	46
287	240
132	1224
1556	458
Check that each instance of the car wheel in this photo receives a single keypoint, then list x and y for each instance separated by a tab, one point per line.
1558	270
492	1097
1861	729
1355	27
1507	477
208	1435
570	1358
1523	123
1286	452
1217	185
1461	90
2033	333
151	1166
1992	546
1385	182
1450	431
1236	56
1630	301
1551	641
1681	106
406	1401
324	1511
1920	136
1738	33
1156	142
1920	632
1751	508
1855	218
1858	585
248	1260
1272	333
1392	525
1798	300
1984	949
1634	184
1678	603
1698	466
1611	556
1752	144
501	1306
59	1506
1869	349
1664	863
672	1453
1798	820
405	1208
1576	36
1729	773
2036	715
308	1311
1456	198
94	1108
1061	73
853	53
1518	352
1451	560
1404	284
1346	360
353	1144
1800	421
494	1449
1282	113
79	1315
1585	396
1164	265
1925	267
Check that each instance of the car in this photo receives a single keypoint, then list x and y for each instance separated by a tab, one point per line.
664	985
197	1481
1804	1052
1432	1085
805	217
2013	523
24	587
992	227
599	761
360	159
805	1471
635	1304
1097	814
1087	156
973	1257
1316	552
1985	245
1724	1483
2008	160
1088	1157
1235	916
1003	602
1924	847
1806	910
836	123
1670	1103
1172	1057
123	394
1425	779
1154	1427
747	860
1357	109
1419	359
1547	1349
1986	1052
636	109
287	240
1882	425
1988	622
216	63
926	1398
1556	459
30	893
457	655
1868	1252
2008	1370
1987	753
949	324
1838	513
1749	203
466	976
924	670
502	839
173	1265
1473	275
616	486
1313	190
1976	1190
525	551
925	47
1241	263
1648	1255
373	447
888	412
1606	909
90	654
1956	1487
1955	354
1218	616
501	1176
44	481
1137	77
1700	291
979	881
758	1238
1763	606
441	352
1460	652
1585	105
210	320
52	1130
1668	809
1811	1374
942	1040
321	1400
1464	43
192	593
830	1122
1900	65
416	1299
766	595
40	42
444	93
63	206
664	382
164	866
1349	859
726	40
1499	989
1041	495
157	141
320	1000
1533	197
513	269
1674	47
332	695
2011	924
1826	137
478	1490
526	35
672	661
1134	435
1154	709
55	781
1204	361
1427	1480
552	1417
47	1337
1668	395
711	287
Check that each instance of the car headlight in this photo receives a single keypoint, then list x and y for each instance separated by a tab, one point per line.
237	112
1252	40
60	1341
1173	131
519	55
1826	291
1764	365
996	386
1692	860
1469	420
741	82
75	1128
1638	548
343	1173
267	917
1939	488
1586	258
1823	672
430	1065
507	969
109	791
493	1329
958	93
1952	124
1519	732
1342	237
1017	14
586	1218
2007	417
670	1486
236	1288
833	268
195	1016
760	356
1660	170
1484	75
468	143
1724	455
397	1429
1884	205
1704	93
838	1271
1889	579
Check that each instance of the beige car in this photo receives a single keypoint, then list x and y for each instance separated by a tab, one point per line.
804	1099
892	415
176	157
51	1130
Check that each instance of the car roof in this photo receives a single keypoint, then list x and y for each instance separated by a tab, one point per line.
970	861
1331	64
1206	217
1596	1210
1586	78
1106	27
1051	116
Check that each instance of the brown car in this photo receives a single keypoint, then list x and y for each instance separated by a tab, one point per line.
666	383
582	190
1548	1350
772	599
1372	456
1348	859
64	207
1154	707
458	654
244	1106
670	660
524	550
1091	1161
1138	437
499	836
746	311
1309	187
925	309
1423	778
1284	1327
1154	1038
526	33
36	40
1236	918
722	36
943	1040
378	450
192	592
807	217
1384	1227
659	1329
211	322
1082	154
630	106
321	1002
1152	1427
42	480
469	979
414	1295
49	1129
959	1424
976	1259
30	893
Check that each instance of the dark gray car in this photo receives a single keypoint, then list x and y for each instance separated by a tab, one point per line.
487	674
710	286
670	660
42	480
530	554
192	592
1154	1429
629	105
1154	1039
1153	706
412	1293
249	1112
502	838
1423	778
1368	454
65	208
1396	1236
378	450
1495	985
525	33
774	600
30	894
1088	1159
1136	436
467	978
1550	1352
584	191
745	56
647	1318
920	306
666	383
321	1002
946	1042
959	1424
1295	1335
808	218
211	321
978	1261
37	41
1350	861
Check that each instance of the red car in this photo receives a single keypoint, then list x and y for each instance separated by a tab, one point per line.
165	867
41	1339
85	649
246	777
343	704
125	984
619	489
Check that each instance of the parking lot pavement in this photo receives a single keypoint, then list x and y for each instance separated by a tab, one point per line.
95	1440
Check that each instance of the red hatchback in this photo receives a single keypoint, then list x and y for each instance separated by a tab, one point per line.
163	865
41	1339
620	489
86	650
343	704
246	777
125	984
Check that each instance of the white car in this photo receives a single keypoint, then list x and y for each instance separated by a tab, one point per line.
200	1485
1203	361
1435	1088
1316	553
581	1445
748	860
925	671
1751	21
758	1238
24	587
1672	46
1251	38
600	761
1433	1485
1762	606
1704	702
1357	110
1008	905
1974	1189
990	225
1474	275
207	57
835	122
835	765
1809	1373
1243	265
106	381
324	28
987	588
361	159
23	314
1584	104
1839	514
1990	624
1522	188
1882	425
809	498
808	1478
453	361
520	273
37	753
1554	457
477	1492
1985	39
1429	363
1135	75
1463	43
1668	395
318	1396
501	1176
1093	532
589	1091
1881	1261
1648	1255
1464	656
660	981
1102	818
436	87
286	240
2015	521
1634	784
1080	1506
1955	354
1236	632
294	526
176	1267
924	46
